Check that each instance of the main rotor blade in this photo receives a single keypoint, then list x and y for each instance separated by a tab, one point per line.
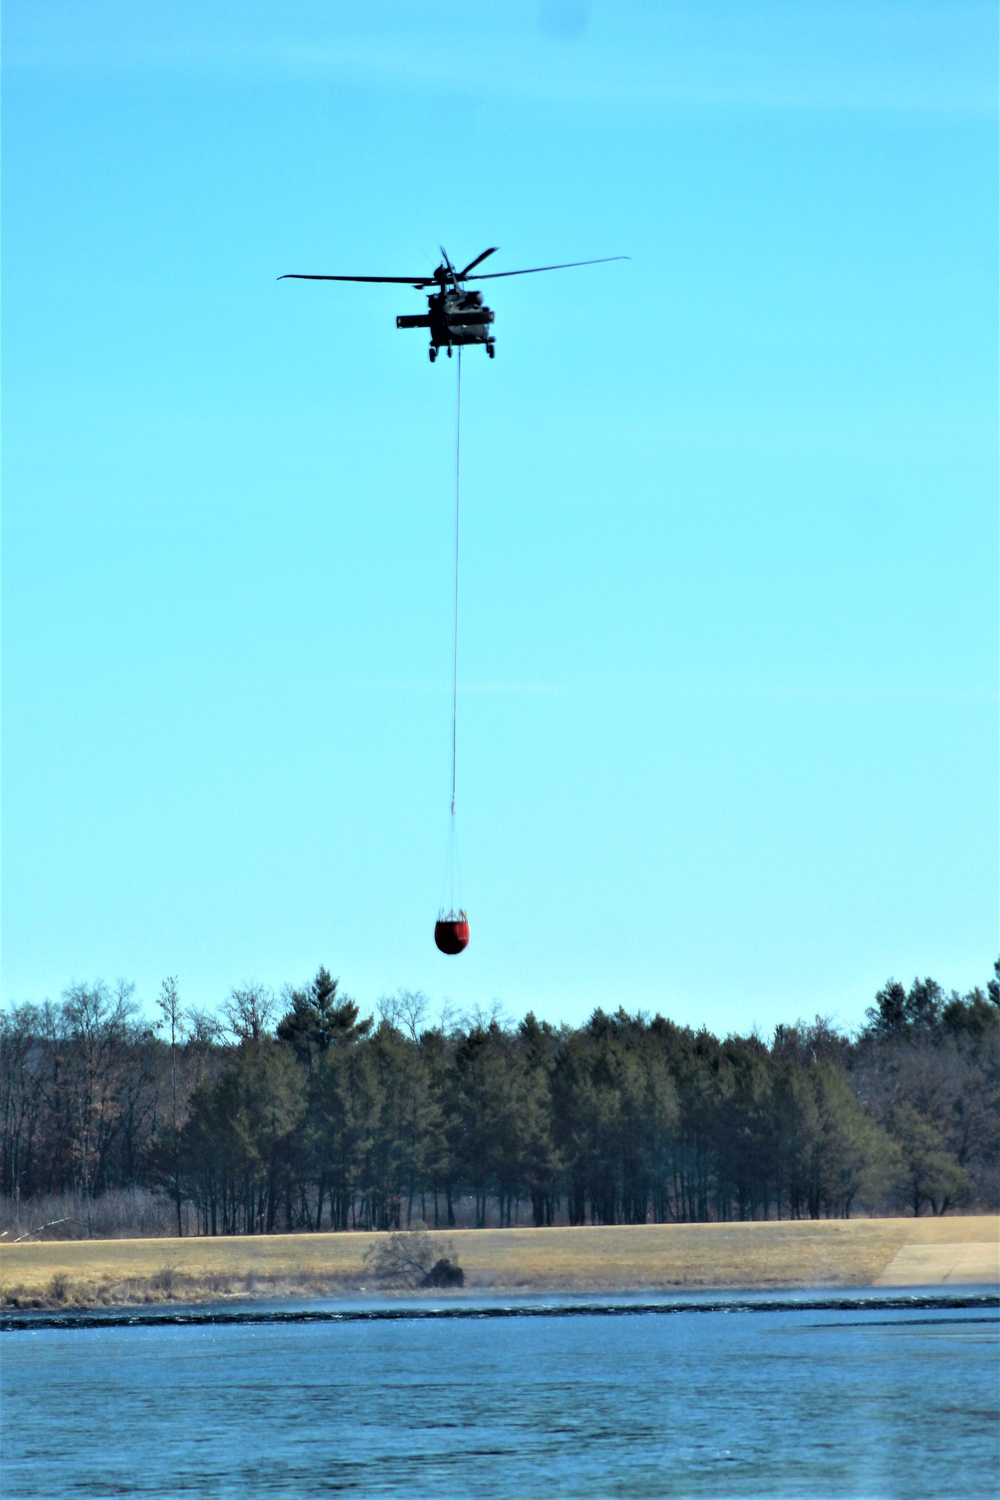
492	275
416	281
462	274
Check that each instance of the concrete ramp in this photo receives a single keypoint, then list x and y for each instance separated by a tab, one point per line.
935	1265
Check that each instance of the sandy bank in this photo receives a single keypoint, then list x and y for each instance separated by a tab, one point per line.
651	1257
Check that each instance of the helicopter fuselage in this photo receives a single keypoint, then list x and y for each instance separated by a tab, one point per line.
454	317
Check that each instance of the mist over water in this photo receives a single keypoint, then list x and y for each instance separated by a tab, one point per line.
783	1398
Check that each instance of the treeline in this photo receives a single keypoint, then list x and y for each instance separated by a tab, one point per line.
304	1115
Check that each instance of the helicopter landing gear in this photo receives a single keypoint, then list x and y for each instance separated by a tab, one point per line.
432	354
449	351
490	350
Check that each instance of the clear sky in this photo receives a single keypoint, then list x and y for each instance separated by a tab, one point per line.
728	685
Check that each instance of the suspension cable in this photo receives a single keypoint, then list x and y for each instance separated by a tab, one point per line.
454	663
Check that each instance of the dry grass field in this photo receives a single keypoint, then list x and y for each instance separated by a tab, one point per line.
653	1258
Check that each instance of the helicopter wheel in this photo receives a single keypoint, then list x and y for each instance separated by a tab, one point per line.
449	351
491	351
432	354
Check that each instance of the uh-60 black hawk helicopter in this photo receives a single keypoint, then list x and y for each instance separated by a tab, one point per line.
454	315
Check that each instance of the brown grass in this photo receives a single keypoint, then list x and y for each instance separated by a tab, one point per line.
653	1257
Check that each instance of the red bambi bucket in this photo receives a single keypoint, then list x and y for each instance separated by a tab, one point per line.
451	932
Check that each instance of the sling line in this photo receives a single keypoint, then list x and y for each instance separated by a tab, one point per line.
454	663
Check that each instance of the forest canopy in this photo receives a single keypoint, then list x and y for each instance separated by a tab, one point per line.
296	1112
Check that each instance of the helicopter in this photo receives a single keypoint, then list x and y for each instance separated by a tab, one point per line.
454	315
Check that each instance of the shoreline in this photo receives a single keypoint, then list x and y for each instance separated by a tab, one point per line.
461	1307
589	1260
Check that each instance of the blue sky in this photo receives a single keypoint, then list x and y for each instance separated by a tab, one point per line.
728	685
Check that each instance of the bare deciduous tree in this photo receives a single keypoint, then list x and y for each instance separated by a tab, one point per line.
406	1010
168	1004
249	1012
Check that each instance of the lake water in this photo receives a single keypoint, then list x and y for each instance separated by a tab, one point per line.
798	1396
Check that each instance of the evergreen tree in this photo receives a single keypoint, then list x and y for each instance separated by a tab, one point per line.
315	1020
